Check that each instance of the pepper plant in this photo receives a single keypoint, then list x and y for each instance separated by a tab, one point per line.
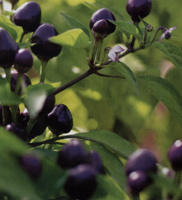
74	132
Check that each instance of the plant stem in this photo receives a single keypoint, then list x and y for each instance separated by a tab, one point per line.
30	125
96	49
5	110
13	109
18	82
8	74
84	75
43	70
21	39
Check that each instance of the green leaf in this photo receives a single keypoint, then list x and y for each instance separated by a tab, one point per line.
13	30
111	163
173	52
127	73
35	96
165	92
107	189
73	38
13	180
7	97
127	28
109	139
73	23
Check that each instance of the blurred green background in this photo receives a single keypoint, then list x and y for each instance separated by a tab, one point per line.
108	103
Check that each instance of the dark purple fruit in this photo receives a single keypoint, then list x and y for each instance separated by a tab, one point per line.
60	120
23	60
175	155
19	132
94	159
8	49
23	118
38	128
72	154
101	14
137	181
28	16
31	164
141	160
48	105
43	48
100	27
137	8
81	182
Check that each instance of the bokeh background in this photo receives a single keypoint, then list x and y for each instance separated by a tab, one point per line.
108	103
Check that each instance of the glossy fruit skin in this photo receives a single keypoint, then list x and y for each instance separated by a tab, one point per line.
23	61
72	154
28	16
137	8
137	181
81	182
19	132
141	160
175	155
43	48
100	27
94	160
105	14
23	118
48	105
60	119
8	49
31	164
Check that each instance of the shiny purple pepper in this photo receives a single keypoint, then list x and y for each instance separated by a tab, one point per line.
23	60
137	181
105	14
81	182
137	8
43	48
8	49
31	164
60	119
72	154
175	155
28	16
100	27
141	160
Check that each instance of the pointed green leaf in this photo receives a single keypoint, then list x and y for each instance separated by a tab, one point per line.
127	73
107	189
109	139
7	97
14	180
73	38
173	52
13	30
127	28
165	92
73	23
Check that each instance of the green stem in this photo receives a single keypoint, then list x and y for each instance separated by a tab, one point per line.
23	34
5	111
18	82
43	70
96	50
30	125
14	113
8	74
